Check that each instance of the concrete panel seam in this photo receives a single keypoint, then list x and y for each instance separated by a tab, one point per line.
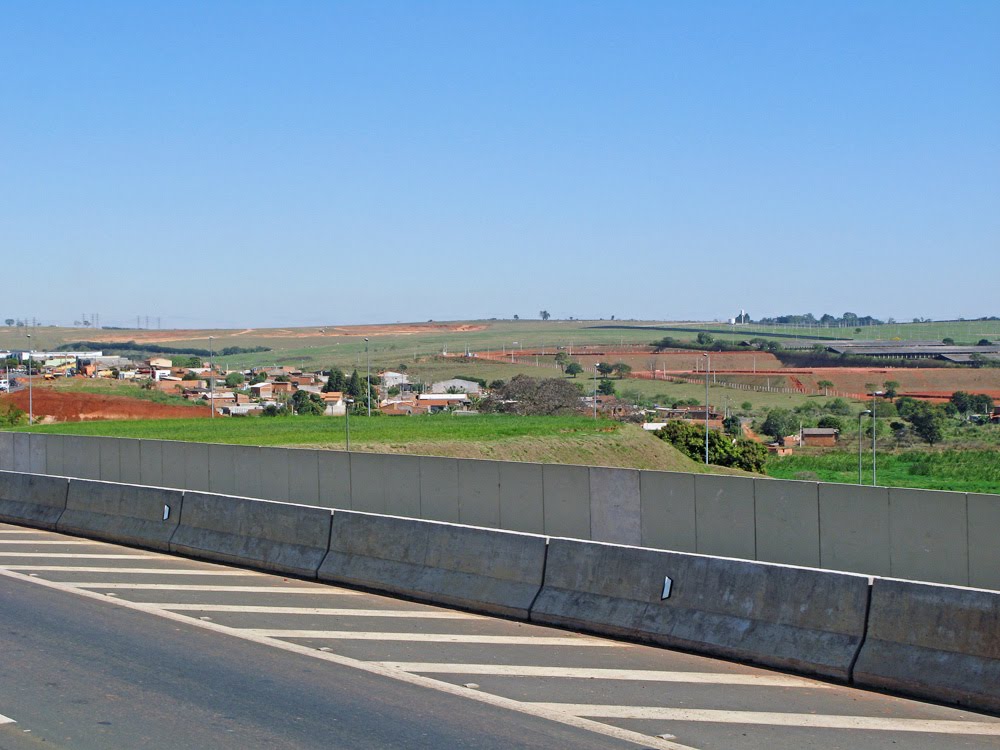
178	525
545	565
864	634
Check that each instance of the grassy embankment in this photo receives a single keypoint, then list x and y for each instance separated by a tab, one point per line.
958	470
568	440
127	389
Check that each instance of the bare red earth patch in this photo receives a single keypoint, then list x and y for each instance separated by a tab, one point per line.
65	406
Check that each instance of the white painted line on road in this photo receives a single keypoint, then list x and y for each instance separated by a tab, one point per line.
350	635
151	571
821	721
606	730
586	673
321	591
46	542
73	556
24	531
6	720
242	609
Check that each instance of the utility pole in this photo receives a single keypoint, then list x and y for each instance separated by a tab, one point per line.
211	374
708	368
595	391
368	378
31	409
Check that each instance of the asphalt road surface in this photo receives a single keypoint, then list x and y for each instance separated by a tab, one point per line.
106	647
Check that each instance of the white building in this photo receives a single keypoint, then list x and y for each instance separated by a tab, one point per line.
456	385
394	379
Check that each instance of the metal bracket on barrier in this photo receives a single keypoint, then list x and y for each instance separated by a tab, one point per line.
667	585
166	512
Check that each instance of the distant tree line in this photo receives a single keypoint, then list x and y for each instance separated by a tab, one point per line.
847	320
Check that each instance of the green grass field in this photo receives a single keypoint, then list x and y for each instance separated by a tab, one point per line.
567	440
389	347
304	430
958	470
963	332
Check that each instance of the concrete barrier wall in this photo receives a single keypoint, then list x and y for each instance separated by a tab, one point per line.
936	642
54	447
32	499
984	552
786	522
793	618
128	461
274	536
123	513
22	452
936	536
7	451
480	569
932	641
303	476
479	493
151	463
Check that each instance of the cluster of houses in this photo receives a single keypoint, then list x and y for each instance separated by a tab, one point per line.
262	387
274	386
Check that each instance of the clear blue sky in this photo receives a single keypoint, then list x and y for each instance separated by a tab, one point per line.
250	163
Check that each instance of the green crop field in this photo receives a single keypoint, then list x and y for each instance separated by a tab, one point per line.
958	470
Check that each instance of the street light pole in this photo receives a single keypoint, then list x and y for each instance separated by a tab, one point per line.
595	391
211	376
874	396
860	414
31	410
708	368
368	378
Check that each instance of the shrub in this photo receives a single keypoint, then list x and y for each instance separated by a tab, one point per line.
689	438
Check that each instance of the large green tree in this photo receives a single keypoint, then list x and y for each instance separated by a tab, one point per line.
354	388
928	422
621	369
779	423
305	402
524	394
336	382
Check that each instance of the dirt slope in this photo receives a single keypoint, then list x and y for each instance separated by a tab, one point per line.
50	405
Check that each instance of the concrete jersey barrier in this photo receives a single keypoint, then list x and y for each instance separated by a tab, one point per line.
499	572
32	499
123	513
806	620
280	537
931	641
